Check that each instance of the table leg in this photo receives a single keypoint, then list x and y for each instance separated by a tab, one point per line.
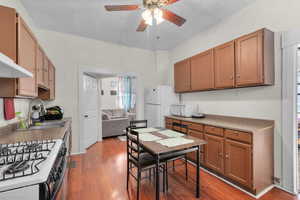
157	178
198	174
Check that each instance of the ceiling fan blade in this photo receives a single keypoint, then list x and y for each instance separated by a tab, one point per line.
121	7
142	26
172	17
172	1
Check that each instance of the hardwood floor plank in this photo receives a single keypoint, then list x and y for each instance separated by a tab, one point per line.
100	174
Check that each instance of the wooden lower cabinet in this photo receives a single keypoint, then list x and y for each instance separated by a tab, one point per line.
214	153
192	156
238	162
244	158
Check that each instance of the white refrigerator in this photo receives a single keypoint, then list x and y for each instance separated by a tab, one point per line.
157	104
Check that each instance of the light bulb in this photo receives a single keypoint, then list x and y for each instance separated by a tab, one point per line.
147	16
158	15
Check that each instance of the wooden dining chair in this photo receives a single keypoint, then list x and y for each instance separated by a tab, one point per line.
137	159
138	124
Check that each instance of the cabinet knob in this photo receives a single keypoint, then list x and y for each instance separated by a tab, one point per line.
231	77
227	156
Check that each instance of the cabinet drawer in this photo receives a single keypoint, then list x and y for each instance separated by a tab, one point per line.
199	135
214	130
238	135
188	124
176	121
168	121
196	127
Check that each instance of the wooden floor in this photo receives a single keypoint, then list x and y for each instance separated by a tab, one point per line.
100	174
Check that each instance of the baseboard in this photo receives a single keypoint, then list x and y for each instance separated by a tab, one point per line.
235	186
77	153
281	188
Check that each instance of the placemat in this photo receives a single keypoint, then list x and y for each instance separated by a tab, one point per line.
146	130
170	133
147	137
172	142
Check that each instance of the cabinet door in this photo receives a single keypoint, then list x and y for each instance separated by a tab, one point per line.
202	71
249	59
8	37
46	72
192	155
52	81
40	66
214	153
182	76
224	65
27	59
238	162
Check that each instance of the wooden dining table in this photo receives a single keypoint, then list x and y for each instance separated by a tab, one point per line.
160	151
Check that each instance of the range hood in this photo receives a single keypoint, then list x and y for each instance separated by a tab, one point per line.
9	69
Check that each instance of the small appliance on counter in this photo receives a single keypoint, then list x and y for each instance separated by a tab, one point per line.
182	110
54	113
198	115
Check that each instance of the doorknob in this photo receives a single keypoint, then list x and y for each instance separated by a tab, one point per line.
86	116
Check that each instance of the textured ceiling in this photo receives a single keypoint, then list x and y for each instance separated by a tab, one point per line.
88	18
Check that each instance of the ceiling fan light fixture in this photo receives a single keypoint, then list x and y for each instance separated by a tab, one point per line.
147	16
158	15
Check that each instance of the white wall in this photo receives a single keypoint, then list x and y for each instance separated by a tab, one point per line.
259	102
109	101
69	53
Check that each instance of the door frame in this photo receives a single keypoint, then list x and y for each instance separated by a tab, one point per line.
83	69
290	42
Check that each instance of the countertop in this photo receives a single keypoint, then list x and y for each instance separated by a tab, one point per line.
10	135
235	123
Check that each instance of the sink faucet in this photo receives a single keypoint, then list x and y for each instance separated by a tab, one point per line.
36	101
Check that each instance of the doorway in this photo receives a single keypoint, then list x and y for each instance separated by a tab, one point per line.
90	110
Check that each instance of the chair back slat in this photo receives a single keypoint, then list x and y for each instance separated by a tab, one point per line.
138	124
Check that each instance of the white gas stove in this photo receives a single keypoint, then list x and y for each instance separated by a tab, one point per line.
30	169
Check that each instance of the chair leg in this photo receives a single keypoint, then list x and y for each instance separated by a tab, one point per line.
186	168
164	178
173	165
127	174
150	174
138	184
167	181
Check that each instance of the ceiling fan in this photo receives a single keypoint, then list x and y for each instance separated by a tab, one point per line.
153	11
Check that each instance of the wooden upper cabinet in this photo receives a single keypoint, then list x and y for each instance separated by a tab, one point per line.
255	59
224	63
40	66
182	76
51	81
8	21
245	62
214	153
46	72
202	71
238	162
26	58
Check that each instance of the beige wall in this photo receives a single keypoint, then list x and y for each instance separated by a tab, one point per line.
259	102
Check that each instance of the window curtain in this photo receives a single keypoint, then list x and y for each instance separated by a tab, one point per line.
126	93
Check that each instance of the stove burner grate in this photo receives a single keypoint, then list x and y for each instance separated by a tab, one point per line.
23	158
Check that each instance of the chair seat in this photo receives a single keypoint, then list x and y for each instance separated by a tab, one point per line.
146	160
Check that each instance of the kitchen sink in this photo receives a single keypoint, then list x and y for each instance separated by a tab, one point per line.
45	125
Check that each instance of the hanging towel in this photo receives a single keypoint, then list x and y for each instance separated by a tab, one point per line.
9	108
